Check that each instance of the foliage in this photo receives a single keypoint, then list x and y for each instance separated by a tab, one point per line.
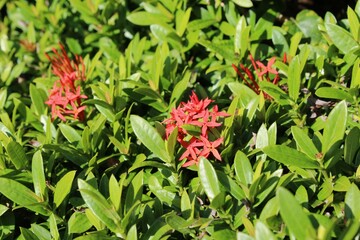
290	148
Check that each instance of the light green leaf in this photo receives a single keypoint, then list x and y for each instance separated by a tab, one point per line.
304	142
149	137
243	169
352	145
352	207
333	93
290	156
63	188
243	3
341	38
143	18
70	133
208	178
37	170
294	216
335	126
100	207
78	223
21	195
294	78
17	154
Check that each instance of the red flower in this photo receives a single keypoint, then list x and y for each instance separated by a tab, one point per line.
65	97
195	113
262	72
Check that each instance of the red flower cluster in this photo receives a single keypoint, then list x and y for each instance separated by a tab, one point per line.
65	97
262	72
195	114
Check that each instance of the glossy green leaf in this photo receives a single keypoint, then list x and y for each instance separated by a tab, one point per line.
38	174
208	178
334	127
243	168
63	188
149	137
100	207
290	156
295	218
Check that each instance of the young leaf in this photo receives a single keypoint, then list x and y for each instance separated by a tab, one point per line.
149	137
208	178
294	216
352	145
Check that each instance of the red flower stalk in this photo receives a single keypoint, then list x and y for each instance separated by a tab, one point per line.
195	114
65	97
262	73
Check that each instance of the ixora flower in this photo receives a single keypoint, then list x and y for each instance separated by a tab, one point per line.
263	73
196	124
65	96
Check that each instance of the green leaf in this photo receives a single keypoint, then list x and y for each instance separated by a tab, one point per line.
243	3
27	234
290	156
335	126
294	216
262	232
333	93
149	137
208	178
341	38
17	154
100	207
37	100
21	195
143	18
63	188
78	223
304	142
38	174
280	41
352	207
164	195
294	78
352	145
199	24
243	168
70	133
